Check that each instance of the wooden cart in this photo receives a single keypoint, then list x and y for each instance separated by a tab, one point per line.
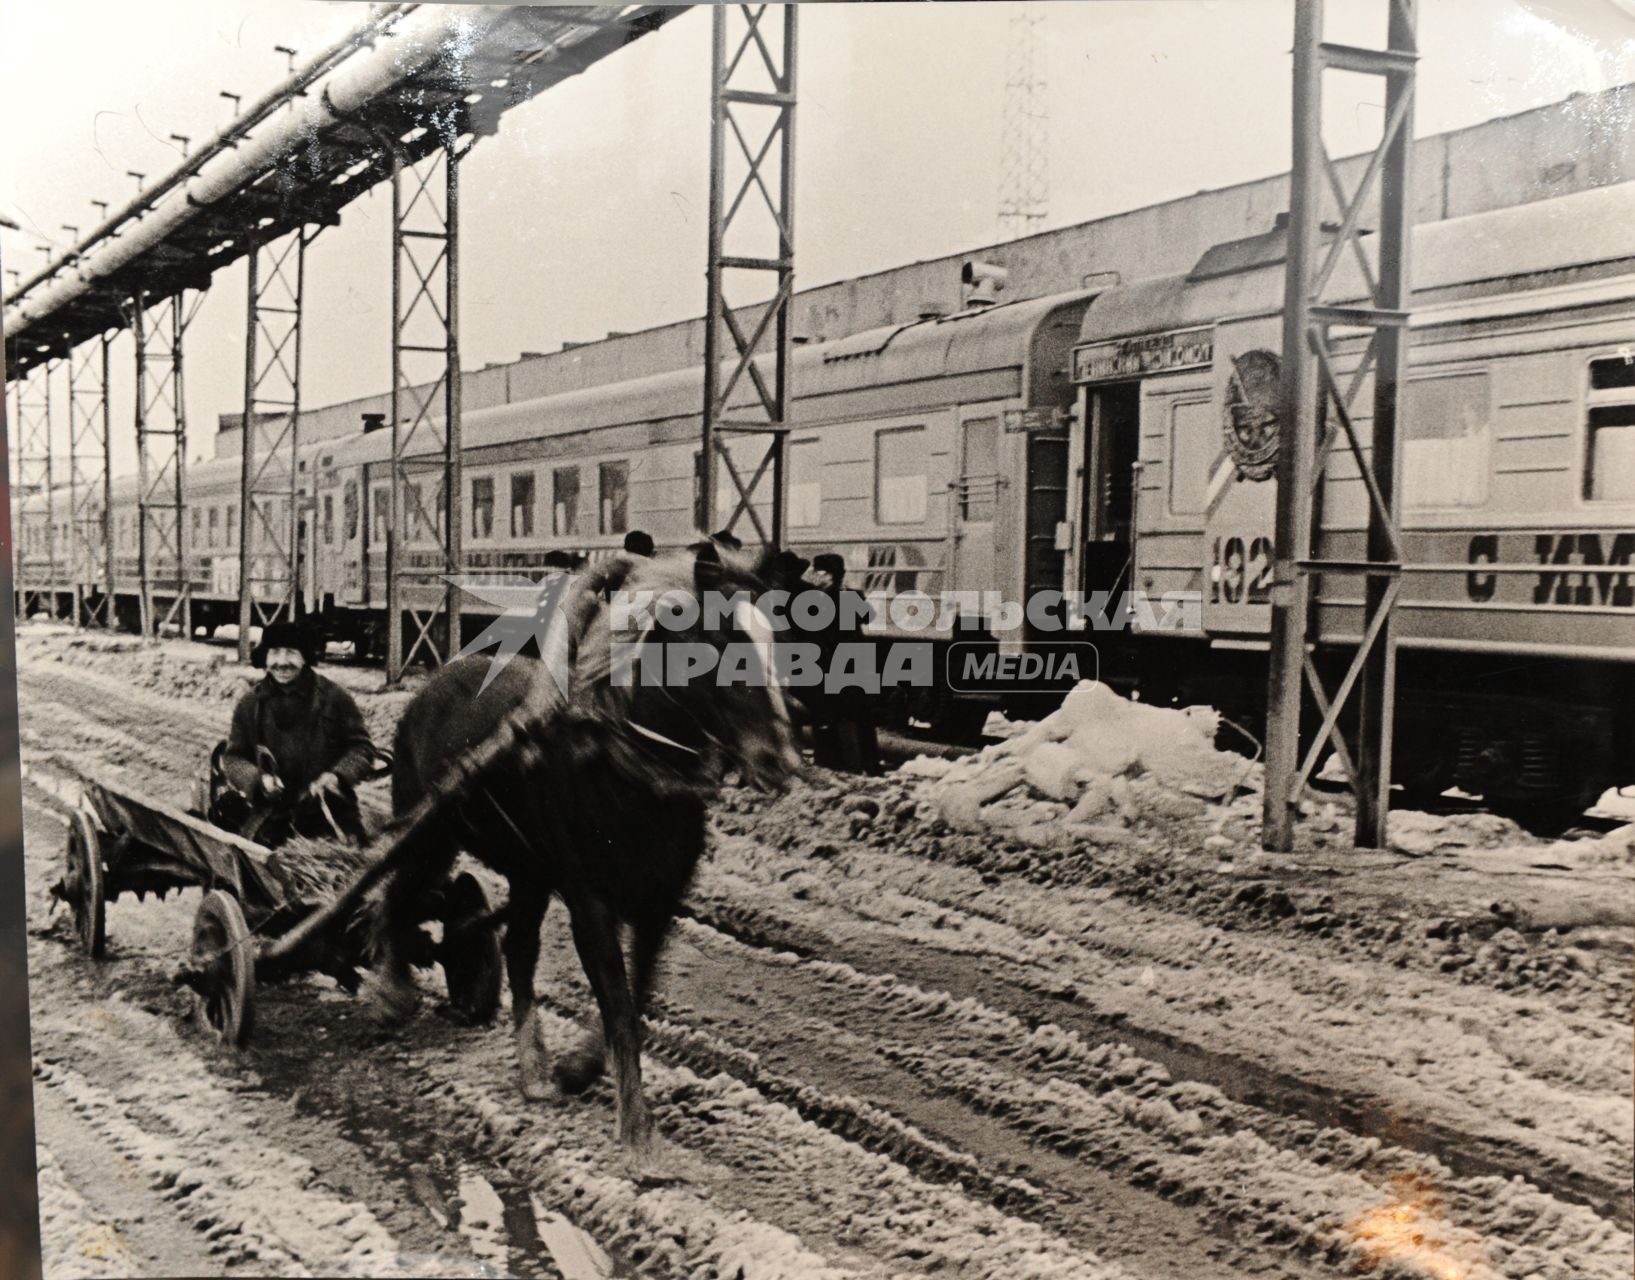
253	925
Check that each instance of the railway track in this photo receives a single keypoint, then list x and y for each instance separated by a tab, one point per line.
975	1073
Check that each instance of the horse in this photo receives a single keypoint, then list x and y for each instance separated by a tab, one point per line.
605	808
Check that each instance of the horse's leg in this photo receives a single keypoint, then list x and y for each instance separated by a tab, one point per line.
582	1065
524	918
651	915
596	937
392	991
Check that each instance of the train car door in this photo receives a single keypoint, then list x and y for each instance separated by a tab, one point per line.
1112	450
306	564
975	501
1045	510
352	535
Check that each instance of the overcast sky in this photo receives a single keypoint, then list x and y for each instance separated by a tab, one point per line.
587	212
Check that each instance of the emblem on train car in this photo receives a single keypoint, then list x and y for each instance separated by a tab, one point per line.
1251	419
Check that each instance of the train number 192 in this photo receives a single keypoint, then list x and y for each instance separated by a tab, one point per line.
1240	571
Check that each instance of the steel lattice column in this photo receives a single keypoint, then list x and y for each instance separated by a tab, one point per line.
752	98
90	483
161	463
34	534
1313	394
1024	147
269	497
424	543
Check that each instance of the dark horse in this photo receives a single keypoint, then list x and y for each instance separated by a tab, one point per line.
605	806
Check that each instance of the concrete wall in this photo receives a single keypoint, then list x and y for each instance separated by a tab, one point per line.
1586	141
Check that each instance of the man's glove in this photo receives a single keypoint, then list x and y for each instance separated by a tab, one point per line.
272	786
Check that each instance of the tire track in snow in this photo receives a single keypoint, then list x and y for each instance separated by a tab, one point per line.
1187	1140
1456	1083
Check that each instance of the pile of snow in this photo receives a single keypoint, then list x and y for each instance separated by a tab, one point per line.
1088	770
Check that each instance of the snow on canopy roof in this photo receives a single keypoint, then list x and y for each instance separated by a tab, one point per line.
1582	229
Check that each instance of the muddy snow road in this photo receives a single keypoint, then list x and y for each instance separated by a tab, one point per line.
882	1046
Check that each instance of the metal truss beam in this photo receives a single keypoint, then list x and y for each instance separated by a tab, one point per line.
301	152
34	534
752	235
424	542
161	463
90	484
1313	396
269	481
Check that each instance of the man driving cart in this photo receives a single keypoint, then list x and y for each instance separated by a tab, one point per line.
296	751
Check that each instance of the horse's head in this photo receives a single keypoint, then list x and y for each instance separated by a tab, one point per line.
682	660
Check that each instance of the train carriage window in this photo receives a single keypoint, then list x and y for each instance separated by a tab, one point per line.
227	524
1447	434
215	524
805	484
414	513
747	460
613	488
198	526
1609	458
482	507
564	501
899	476
522	504
383	513
329	520
349	510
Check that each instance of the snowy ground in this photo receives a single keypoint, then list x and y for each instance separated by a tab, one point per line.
1076	1026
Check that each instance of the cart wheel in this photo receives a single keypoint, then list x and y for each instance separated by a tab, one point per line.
224	953
85	885
470	952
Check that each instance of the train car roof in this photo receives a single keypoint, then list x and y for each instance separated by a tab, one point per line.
1587	229
220	474
969	341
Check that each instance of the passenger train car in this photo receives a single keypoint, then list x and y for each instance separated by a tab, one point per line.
1111	441
1516	620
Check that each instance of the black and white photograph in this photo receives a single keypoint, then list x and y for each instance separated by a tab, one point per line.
829	641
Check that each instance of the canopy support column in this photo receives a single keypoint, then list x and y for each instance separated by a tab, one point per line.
1316	409
752	98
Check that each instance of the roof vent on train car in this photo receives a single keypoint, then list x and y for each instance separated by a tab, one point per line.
1268	249
930	310
986	279
373	422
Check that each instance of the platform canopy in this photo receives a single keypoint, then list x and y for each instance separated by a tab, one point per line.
411	75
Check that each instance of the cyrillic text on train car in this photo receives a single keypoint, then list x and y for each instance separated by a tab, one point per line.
1150	353
1586	569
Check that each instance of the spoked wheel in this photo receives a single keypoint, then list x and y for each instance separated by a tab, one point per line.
224	957
470	952
85	885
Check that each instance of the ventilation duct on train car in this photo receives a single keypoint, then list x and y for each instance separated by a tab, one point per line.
932	310
986	281
1268	249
